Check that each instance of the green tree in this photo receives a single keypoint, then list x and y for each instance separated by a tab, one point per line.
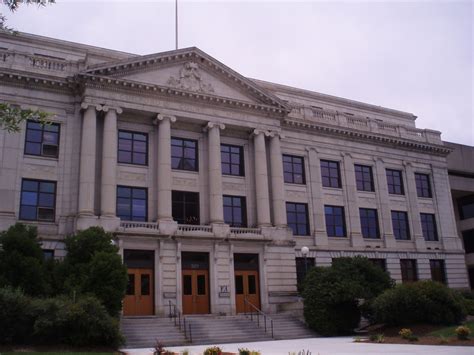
22	263
332	294
92	266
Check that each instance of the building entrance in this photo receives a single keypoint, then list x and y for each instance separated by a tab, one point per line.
247	285
195	277
139	298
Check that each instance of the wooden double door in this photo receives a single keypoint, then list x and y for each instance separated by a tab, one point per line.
196	291
138	300
246	287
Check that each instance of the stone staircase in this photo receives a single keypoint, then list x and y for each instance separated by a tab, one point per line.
143	332
211	329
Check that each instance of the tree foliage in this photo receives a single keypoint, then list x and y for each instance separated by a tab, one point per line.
331	294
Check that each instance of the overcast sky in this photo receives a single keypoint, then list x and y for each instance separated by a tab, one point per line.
413	56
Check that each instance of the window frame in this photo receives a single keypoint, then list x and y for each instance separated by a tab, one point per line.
338	170
185	204
292	172
241	164
423	191
407	225
132	151
392	187
377	226
462	202
196	154
56	124
442	270
37	206
434	237
308	227
363	181
131	202
333	226
404	271
243	207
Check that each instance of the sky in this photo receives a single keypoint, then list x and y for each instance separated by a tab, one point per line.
414	56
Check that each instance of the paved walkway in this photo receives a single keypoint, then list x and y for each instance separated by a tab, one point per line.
324	346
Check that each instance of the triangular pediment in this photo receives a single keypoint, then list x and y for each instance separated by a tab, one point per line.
189	70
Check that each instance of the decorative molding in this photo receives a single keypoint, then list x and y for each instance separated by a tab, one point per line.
126	175
296	194
184	182
258	131
233	186
86	105
40	169
190	79
211	125
117	109
161	117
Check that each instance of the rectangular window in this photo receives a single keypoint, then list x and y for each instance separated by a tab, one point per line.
381	263
132	148
335	221
132	203
235	211
185	207
423	187
466	207
42	139
297	216
401	230
395	182
48	254
468	239
409	270
369	223
428	226
293	169
38	200
184	154
302	266
438	271
364	178
232	160
330	174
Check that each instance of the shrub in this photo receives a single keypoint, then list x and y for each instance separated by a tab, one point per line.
419	302
405	333
462	332
16	322
21	261
213	350
468	297
331	294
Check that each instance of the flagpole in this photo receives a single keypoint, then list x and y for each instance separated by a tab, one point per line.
176	22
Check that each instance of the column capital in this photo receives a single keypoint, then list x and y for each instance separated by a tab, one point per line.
407	164
311	149
276	134
161	117
117	109
257	131
86	105
211	125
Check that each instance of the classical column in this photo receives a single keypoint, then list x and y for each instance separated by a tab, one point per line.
164	167
316	189
108	192
351	201
216	205
261	179
384	203
87	162
413	207
278	184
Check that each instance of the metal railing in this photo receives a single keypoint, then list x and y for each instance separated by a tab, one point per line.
180	321
257	313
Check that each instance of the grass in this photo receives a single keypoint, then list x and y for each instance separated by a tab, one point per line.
449	331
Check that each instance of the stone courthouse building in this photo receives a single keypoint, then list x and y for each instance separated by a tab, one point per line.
213	182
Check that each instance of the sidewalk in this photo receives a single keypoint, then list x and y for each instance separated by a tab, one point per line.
323	346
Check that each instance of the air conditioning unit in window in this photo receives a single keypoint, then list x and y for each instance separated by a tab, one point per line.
45	214
50	150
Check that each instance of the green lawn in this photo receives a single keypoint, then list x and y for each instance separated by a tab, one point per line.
449	331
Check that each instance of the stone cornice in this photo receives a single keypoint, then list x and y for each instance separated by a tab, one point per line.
140	63
103	82
30	80
369	137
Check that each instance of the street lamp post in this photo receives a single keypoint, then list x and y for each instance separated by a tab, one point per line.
304	252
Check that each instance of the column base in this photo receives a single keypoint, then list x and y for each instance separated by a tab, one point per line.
389	241
420	243
167	226
357	240
86	221
321	238
109	223
220	230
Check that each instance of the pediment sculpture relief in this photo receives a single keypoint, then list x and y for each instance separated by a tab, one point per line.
190	79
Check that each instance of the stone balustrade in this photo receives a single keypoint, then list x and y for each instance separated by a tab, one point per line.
319	115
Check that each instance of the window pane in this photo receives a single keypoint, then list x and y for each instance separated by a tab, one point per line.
50	138
34	136
131	284
201	284
252	285
46	214
46	200
29	198
239	284
145	284
33	148
124	192
187	285
124	157
28	212
47	187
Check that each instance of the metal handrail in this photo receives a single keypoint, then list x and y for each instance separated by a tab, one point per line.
259	313
175	314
